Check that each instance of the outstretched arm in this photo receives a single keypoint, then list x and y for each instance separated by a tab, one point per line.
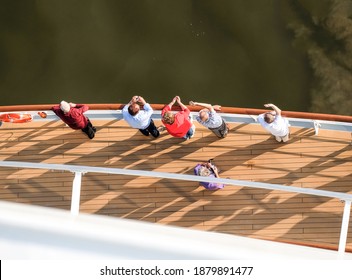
134	99
141	100
173	101
81	107
210	107
214	168
275	108
216	172
183	106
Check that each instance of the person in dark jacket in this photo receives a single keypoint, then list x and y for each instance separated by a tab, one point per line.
72	115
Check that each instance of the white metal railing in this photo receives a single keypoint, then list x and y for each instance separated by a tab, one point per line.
79	170
50	234
231	118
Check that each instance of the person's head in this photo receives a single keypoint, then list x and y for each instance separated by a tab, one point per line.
203	171
204	115
133	109
65	107
169	118
269	117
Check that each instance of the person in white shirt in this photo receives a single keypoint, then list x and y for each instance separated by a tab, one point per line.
274	123
140	119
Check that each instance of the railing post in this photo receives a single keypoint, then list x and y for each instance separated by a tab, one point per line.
76	193
316	127
344	227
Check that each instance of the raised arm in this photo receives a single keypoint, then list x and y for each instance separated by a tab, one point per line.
183	106
141	100
81	107
216	172
275	108
134	99
210	107
214	168
172	102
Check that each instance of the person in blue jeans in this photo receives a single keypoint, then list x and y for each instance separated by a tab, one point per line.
140	119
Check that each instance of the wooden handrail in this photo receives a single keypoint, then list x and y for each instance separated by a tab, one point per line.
228	110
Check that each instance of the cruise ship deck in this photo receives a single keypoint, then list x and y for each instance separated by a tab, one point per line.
249	153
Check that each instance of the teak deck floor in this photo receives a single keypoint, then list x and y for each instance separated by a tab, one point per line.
248	153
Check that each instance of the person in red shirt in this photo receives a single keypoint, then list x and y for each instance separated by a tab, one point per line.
72	115
178	124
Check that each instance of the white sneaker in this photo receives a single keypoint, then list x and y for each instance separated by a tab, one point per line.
285	138
278	138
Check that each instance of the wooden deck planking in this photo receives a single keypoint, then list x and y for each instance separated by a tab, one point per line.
248	153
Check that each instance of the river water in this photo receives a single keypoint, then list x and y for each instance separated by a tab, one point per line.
230	52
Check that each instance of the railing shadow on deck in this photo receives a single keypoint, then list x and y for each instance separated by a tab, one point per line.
143	160
81	169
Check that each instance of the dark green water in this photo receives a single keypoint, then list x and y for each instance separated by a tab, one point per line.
231	52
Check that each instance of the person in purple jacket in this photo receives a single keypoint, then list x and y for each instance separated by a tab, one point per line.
208	169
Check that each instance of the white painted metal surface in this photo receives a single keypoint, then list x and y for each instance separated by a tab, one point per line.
231	118
165	175
344	226
76	193
78	170
34	232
